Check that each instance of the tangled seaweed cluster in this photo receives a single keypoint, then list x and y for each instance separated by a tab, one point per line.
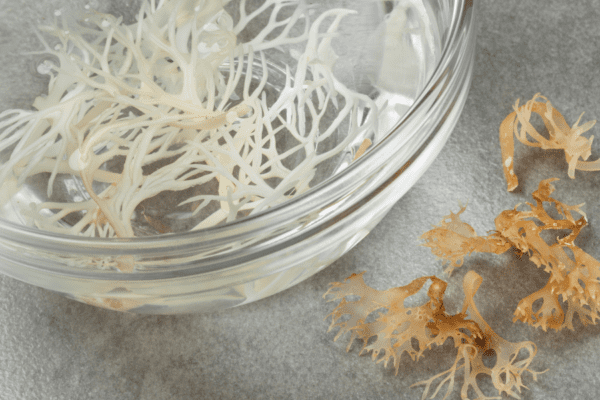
573	286
398	328
574	280
176	105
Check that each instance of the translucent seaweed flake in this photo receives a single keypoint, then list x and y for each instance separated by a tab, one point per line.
574	280
397	329
561	136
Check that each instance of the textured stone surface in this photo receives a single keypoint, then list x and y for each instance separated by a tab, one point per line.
54	348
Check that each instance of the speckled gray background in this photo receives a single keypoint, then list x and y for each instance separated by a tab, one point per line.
54	348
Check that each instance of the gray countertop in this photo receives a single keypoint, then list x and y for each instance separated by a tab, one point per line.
54	348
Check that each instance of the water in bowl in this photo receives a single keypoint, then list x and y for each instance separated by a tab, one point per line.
370	66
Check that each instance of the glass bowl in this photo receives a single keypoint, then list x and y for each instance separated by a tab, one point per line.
413	58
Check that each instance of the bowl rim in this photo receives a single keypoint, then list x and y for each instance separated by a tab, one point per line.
274	217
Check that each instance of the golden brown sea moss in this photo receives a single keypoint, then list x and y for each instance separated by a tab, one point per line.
397	327
560	136
451	240
574	280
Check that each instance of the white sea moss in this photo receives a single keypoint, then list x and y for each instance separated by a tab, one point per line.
160	95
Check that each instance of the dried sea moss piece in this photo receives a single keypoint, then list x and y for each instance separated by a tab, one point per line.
396	327
560	136
452	240
512	359
573	280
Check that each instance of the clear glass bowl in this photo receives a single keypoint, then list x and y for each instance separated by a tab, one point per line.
421	86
